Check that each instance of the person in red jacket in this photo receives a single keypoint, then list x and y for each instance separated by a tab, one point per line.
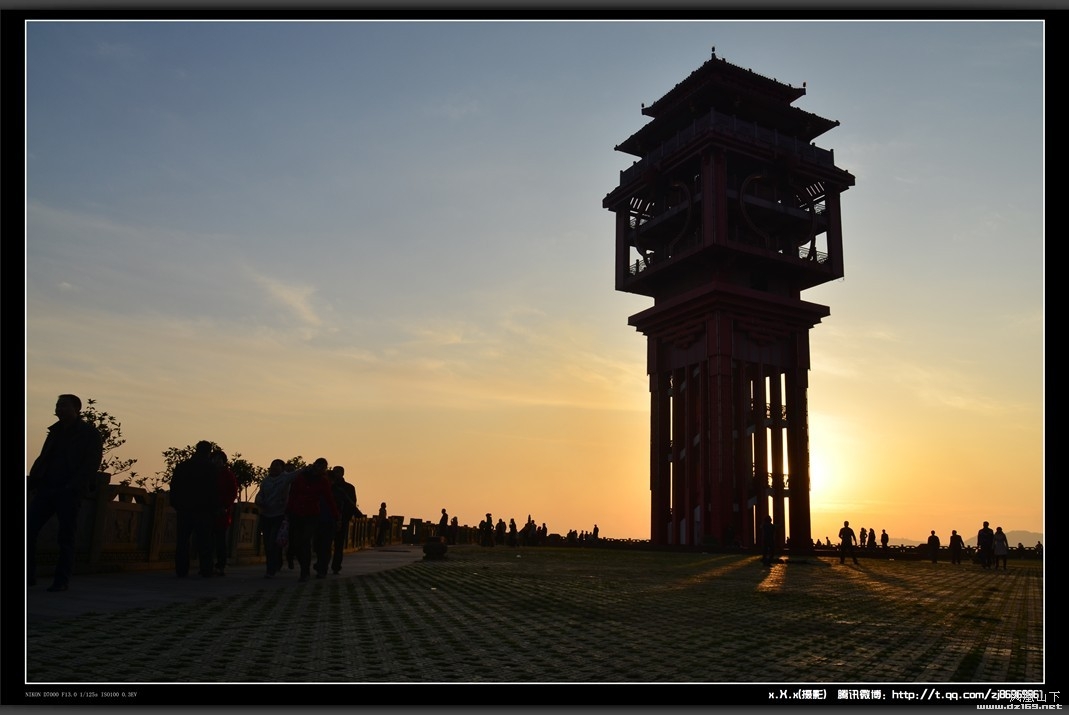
228	494
313	516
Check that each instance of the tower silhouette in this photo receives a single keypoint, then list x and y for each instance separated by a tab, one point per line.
729	213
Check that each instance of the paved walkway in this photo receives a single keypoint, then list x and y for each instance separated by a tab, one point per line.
117	591
548	615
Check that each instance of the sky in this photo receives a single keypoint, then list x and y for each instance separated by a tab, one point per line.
383	243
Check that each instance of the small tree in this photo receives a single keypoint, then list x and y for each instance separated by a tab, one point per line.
247	474
245	471
296	463
111	435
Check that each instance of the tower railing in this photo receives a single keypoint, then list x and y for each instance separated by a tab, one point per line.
732	126
805	253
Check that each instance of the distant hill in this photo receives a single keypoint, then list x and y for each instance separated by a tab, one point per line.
1028	538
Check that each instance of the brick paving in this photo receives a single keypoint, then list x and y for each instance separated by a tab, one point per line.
571	615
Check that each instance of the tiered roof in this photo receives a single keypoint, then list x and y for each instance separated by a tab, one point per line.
732	90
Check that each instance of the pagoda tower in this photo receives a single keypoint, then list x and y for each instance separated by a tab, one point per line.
729	212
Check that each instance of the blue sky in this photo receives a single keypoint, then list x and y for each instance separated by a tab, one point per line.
383	243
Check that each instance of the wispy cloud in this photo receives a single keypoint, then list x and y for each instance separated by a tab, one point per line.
296	299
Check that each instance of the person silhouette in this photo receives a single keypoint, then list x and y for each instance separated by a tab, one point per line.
313	516
768	540
847	541
486	531
344	494
985	539
383	524
957	545
227	484
194	496
933	546
58	479
272	498
1000	547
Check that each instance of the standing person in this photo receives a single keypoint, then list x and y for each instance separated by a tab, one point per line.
864	535
768	540
291	555
884	538
228	494
443	526
528	534
344	495
514	534
847	540
486	531
312	512
454	530
985	539
58	479
194	496
957	545
933	546
271	498
1000	547
383	525
872	539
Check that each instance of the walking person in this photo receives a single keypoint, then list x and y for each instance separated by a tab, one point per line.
847	541
985	540
1000	547
58	479
933	546
529	532
344	495
271	498
383	524
443	526
313	513
228	494
486	531
768	540
194	496
957	545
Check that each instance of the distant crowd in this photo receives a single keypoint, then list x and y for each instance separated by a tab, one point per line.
992	546
501	534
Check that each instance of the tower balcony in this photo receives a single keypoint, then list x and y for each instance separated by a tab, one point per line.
804	255
732	128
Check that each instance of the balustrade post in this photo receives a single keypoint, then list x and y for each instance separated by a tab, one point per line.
158	501
99	496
